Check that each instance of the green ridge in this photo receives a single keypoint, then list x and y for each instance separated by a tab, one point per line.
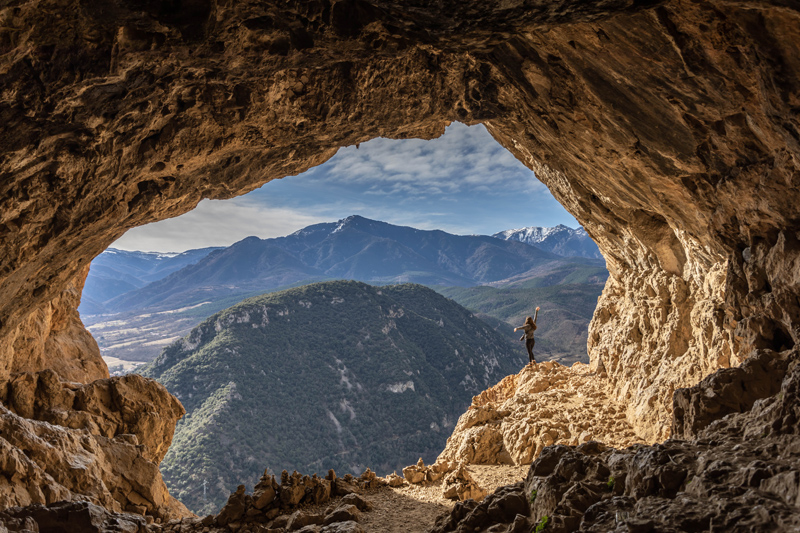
319	377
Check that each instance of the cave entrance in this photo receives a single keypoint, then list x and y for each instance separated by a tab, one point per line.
458	214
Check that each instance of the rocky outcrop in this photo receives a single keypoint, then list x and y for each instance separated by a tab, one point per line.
53	338
545	404
101	442
739	474
75	517
129	405
507	506
732	390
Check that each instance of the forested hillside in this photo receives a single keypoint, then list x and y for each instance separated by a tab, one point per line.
338	375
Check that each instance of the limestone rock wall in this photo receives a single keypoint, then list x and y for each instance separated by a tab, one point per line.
53	337
669	134
543	405
100	442
668	129
739	472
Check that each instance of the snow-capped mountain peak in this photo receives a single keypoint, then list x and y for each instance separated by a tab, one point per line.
561	240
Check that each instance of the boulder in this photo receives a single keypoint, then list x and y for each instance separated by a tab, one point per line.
70	517
235	507
343	513
301	519
393	480
459	485
343	488
343	527
354	499
415	473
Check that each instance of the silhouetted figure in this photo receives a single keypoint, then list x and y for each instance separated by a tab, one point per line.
529	327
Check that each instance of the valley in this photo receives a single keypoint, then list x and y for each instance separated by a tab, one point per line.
339	375
136	325
221	330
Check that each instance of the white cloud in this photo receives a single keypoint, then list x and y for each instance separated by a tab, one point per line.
216	223
463	182
463	160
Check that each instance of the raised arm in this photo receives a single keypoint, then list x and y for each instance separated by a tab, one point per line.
535	315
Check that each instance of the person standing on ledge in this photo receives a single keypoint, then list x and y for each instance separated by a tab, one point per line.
529	327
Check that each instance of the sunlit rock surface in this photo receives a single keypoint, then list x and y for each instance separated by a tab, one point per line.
739	472
54	338
543	405
100	442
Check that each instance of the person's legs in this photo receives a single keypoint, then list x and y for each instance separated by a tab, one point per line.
529	346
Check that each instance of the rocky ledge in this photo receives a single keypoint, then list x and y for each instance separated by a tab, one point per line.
514	421
740	473
545	404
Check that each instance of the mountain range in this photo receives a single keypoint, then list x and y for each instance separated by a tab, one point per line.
352	248
138	324
338	375
115	272
560	240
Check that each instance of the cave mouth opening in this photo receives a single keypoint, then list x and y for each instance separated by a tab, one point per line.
672	176
463	184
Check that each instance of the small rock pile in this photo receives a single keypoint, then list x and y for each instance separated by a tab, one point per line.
457	481
459	485
420	473
274	507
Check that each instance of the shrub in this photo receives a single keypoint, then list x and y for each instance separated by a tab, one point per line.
542	525
533	496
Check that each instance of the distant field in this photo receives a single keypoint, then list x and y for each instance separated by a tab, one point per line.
120	366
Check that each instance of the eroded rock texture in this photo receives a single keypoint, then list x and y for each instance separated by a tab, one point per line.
100	442
740	473
669	129
53	338
545	404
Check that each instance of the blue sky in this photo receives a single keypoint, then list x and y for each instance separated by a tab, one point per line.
464	183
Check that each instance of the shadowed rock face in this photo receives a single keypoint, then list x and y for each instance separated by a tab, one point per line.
669	130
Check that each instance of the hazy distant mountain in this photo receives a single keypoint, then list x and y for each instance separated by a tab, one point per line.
116	272
353	248
338	375
561	240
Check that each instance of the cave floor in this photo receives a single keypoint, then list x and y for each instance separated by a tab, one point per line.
414	508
